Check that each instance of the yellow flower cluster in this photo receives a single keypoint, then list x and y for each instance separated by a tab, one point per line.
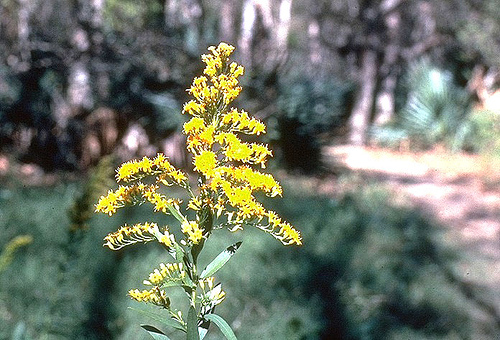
283	231
132	194
226	193
159	166
221	156
192	230
115	199
155	296
172	271
146	232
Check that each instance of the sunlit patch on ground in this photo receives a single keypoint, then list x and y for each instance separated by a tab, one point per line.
461	192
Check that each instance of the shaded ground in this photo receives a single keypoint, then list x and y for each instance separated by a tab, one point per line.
462	192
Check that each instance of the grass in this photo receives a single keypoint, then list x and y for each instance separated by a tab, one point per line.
369	269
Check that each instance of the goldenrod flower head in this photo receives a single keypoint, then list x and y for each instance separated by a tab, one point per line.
220	156
219	153
116	199
127	170
194	203
226	194
159	166
160	202
127	235
192	230
168	271
283	231
217	59
192	107
215	295
154	296
177	176
195	125
205	163
167	239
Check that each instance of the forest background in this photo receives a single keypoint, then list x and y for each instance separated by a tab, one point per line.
86	84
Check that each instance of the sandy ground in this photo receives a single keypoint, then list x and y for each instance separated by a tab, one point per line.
461	192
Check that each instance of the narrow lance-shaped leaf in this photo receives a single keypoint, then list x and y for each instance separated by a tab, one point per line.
223	326
220	260
155	332
167	321
192	325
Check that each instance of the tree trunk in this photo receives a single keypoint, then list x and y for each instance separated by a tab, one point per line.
248	19
363	105
284	18
184	16
314	42
23	31
227	27
385	103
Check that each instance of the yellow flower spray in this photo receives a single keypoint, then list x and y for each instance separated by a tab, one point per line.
224	197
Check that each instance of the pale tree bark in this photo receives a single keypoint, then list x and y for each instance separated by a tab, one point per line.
193	12
86	79
258	28
248	20
283	29
79	89
171	13
23	33
79	92
185	16
264	9
385	102
313	32
227	27
360	116
97	13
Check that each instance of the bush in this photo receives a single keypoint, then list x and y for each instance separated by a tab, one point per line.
308	107
436	111
484	133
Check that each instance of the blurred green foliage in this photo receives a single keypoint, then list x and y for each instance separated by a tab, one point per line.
369	269
100	179
484	135
308	107
126	14
436	111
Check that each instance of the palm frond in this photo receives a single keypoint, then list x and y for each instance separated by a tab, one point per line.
436	109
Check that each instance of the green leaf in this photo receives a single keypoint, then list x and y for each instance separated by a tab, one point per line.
155	332
176	213
192	325
166	321
222	324
220	260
